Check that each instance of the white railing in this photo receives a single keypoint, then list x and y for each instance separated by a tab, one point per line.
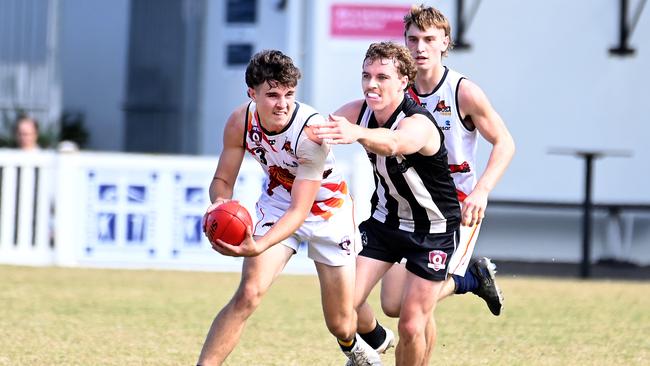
25	203
144	211
114	210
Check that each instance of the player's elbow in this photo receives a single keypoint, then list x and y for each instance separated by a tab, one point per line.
509	143
393	149
506	144
394	146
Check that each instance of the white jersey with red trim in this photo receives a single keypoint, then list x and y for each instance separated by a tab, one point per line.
276	153
460	142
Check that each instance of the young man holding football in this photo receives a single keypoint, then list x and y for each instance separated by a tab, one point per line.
305	199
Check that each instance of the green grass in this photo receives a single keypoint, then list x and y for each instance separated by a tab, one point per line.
58	316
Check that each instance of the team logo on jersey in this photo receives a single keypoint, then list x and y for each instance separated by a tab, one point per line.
437	260
446	126
443	108
268	224
287	147
279	176
345	245
293	164
460	168
400	167
255	134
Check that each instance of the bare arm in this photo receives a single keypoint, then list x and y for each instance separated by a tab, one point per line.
414	133
231	157
475	104
303	195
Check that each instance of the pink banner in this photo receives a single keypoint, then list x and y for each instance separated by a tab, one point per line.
374	21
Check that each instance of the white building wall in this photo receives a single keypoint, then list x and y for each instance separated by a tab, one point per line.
545	66
547	69
224	87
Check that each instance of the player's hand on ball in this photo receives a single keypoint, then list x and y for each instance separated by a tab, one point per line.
248	248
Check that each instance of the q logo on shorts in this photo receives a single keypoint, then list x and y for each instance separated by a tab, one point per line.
437	260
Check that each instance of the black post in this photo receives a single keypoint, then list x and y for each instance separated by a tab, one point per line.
587	205
624	31
622	40
460	26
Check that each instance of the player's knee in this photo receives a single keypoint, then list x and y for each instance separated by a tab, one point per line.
248	298
342	327
409	329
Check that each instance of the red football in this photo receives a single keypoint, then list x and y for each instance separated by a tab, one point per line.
228	222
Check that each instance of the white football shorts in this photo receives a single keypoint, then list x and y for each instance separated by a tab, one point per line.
335	242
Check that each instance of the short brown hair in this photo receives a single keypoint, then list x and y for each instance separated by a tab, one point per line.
425	17
272	66
23	118
396	52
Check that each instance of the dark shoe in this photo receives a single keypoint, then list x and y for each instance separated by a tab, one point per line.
488	289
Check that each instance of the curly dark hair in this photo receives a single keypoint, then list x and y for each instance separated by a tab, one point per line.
273	67
396	52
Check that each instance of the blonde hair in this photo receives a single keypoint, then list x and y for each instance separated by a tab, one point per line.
425	17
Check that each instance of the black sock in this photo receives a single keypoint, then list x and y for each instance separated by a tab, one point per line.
467	283
347	348
375	337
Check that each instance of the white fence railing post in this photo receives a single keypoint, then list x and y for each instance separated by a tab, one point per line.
25	207
8	208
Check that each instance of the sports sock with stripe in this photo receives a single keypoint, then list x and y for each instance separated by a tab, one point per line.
347	346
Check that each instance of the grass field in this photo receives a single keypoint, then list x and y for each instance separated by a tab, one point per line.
56	316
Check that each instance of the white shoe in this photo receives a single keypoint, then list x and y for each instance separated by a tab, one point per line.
389	342
362	355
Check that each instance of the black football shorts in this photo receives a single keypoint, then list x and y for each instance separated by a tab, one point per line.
427	255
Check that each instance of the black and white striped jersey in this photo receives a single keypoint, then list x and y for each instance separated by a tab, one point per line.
413	193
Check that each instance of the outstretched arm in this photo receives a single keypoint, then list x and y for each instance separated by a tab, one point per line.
475	104
414	133
230	160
